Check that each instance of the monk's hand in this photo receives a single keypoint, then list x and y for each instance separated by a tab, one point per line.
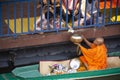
78	44
83	36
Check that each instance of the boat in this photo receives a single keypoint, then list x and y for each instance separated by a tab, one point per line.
31	72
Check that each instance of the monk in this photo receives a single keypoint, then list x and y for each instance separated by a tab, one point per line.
94	58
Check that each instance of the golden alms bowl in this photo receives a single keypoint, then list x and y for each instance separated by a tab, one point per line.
75	38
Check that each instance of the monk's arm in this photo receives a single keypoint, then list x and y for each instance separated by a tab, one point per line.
85	51
86	41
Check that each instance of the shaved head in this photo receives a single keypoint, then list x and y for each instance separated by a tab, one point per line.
99	41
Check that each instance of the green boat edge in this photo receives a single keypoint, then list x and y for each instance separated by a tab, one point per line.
32	73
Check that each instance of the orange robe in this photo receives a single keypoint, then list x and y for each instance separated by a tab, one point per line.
95	57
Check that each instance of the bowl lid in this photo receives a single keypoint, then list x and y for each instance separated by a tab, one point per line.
75	63
76	36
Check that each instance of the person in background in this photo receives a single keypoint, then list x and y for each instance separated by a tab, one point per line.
88	10
45	4
43	19
69	7
94	58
